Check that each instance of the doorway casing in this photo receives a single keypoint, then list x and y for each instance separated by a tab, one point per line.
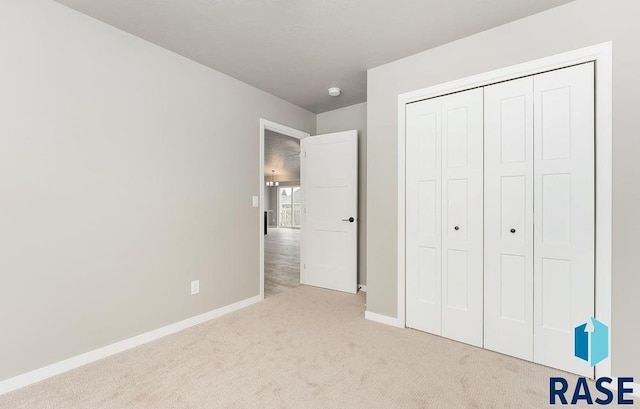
266	125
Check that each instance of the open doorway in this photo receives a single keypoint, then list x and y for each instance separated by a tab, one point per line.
282	198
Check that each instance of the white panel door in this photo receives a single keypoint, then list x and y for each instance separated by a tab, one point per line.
423	216
462	216
508	218
329	242
564	206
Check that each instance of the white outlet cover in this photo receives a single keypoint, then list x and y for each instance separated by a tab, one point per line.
256	201
195	287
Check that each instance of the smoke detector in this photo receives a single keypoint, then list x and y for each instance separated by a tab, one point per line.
334	91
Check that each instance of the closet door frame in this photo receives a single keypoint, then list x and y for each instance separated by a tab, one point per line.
601	54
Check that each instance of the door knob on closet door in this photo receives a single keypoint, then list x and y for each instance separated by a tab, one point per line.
512	230
456	228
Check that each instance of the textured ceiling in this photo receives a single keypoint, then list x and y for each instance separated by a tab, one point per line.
296	49
282	154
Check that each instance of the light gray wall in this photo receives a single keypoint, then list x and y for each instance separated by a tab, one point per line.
345	119
115	164
575	25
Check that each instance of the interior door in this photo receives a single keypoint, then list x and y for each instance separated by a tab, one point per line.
564	203
462	216
329	242
508	218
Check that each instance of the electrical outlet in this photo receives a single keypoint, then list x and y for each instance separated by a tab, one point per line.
256	201
195	287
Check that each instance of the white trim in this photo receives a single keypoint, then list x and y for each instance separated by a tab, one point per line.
283	130
362	288
602	55
58	368
382	319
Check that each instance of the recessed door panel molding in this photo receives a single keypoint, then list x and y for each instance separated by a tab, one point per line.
428	276
508	218
564	199
555	208
457	135
457	280
424	216
329	173
462	216
513	289
457	209
515	190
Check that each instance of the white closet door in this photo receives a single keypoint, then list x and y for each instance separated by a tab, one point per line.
423	216
462	216
508	222
564	213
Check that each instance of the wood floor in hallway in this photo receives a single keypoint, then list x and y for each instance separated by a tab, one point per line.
281	260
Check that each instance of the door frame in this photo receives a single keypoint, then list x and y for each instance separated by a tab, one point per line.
601	54
283	130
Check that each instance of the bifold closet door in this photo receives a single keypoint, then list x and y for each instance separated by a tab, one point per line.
444	216
508	218
462	216
423	213
564	203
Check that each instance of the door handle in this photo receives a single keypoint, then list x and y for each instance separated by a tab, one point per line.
350	220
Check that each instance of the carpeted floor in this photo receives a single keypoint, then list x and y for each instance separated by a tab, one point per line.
303	348
281	260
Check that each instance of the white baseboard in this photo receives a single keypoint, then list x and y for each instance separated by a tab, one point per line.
383	319
362	288
58	368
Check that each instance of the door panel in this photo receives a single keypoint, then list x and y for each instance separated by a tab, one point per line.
508	218
457	209
555	206
457	135
423	204
462	168
514	297
515	212
428	276
564	200
457	280
329	173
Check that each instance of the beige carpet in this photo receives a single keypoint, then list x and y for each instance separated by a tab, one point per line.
304	348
